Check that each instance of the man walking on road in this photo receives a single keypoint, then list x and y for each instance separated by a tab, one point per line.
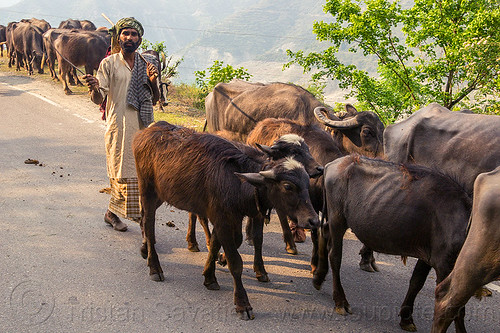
129	82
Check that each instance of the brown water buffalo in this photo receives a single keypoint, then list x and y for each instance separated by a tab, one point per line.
42	24
9	39
3	38
209	176
479	260
27	42
406	210
236	107
70	24
81	49
358	132
162	86
49	37
87	25
323	149
286	145
461	144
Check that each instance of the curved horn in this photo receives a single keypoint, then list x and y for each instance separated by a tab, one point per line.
269	174
320	112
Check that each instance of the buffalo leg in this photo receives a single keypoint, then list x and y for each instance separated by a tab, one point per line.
367	262
417	281
342	307
149	204
319	258
209	270
258	262
231	240
315	249
191	233
287	233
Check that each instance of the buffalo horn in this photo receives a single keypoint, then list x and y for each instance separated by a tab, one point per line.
269	174
266	149
320	113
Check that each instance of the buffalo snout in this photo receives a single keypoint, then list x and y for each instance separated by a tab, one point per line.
318	172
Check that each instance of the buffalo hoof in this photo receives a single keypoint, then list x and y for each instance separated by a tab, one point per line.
292	250
482	292
409	327
246	314
144	251
68	92
368	266
193	248
221	260
263	278
343	310
317	282
158	277
212	285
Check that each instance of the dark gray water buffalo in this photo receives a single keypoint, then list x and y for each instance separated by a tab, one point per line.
461	144
479	260
406	210
209	176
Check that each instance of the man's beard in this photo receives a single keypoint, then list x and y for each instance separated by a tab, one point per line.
129	47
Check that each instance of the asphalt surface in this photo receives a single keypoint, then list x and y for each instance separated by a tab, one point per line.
64	270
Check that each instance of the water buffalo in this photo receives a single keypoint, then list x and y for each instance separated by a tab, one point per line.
406	210
323	149
209	176
461	144
27	42
87	25
479	260
42	24
9	40
3	39
236	107
81	48
70	24
162	86
286	145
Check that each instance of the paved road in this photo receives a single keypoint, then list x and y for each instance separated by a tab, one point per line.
64	270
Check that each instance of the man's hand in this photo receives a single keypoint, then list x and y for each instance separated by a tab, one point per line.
92	82
152	72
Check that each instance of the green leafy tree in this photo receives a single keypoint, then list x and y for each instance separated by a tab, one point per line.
207	79
445	51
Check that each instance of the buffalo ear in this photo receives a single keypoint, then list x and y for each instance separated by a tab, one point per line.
254	179
350	110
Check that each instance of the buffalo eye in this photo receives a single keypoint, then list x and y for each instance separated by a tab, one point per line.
367	132
288	186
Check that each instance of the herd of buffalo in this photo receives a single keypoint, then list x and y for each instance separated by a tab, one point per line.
426	187
33	43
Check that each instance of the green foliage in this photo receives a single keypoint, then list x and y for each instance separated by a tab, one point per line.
207	79
317	88
170	68
443	51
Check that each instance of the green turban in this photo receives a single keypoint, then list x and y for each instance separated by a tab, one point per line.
127	22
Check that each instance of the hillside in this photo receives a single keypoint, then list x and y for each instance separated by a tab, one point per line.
252	34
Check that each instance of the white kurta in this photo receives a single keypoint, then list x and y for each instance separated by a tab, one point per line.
122	121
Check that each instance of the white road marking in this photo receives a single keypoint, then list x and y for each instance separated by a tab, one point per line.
89	121
33	94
